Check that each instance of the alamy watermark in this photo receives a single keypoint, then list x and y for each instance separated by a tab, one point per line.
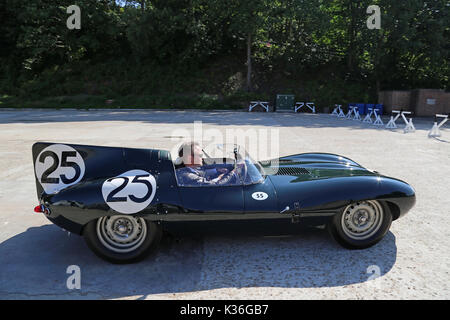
375	272
374	20
260	144
74	20
74	280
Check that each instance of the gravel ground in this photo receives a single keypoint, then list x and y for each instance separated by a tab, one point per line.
411	262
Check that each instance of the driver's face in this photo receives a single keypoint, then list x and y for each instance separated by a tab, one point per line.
194	158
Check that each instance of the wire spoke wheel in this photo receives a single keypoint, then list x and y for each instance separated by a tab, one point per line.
121	234
361	220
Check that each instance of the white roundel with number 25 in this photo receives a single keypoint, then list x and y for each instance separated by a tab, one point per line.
260	195
130	192
58	166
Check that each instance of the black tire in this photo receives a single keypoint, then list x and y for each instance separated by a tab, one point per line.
336	229
149	243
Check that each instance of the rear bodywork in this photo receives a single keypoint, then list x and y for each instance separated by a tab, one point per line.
303	189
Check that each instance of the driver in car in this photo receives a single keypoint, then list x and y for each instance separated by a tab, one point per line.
193	173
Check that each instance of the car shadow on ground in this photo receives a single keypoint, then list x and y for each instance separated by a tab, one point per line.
34	265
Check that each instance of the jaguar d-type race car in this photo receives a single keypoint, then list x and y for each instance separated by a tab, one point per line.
122	199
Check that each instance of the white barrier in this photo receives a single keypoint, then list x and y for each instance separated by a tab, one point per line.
435	132
263	104
349	113
391	124
409	126
368	117
356	114
310	105
337	110
378	121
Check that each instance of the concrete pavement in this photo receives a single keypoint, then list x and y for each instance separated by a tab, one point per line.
412	261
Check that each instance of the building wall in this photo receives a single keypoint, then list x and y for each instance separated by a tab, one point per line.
428	102
395	100
423	102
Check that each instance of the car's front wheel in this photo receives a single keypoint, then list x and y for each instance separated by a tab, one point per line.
122	238
361	224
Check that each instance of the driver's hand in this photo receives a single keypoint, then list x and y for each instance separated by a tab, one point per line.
239	167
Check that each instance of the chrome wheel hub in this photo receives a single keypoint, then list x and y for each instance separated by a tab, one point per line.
361	220
121	234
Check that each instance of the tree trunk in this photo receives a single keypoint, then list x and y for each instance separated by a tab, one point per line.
249	62
377	67
350	37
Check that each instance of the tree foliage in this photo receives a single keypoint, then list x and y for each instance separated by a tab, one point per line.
289	37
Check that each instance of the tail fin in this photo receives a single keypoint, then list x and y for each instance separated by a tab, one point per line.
58	166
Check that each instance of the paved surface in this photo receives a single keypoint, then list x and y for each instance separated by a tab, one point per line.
412	261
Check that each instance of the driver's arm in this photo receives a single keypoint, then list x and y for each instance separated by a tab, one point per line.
225	178
191	178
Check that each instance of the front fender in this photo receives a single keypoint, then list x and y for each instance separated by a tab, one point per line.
329	195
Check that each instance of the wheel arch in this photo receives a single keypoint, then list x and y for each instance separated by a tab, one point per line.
394	208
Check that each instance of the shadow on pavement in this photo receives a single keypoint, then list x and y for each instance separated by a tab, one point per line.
34	265
213	117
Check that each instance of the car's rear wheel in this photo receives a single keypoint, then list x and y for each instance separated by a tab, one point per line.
361	224
122	238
